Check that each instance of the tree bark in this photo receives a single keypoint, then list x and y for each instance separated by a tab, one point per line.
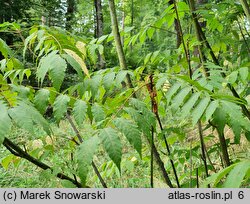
246	9
177	28
99	29
71	7
118	42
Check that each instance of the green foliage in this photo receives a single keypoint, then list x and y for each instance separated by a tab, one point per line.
236	174
131	132
85	155
112	145
79	111
60	106
54	64
5	122
41	100
35	73
25	116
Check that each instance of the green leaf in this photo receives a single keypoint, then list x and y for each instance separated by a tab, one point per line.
22	117
95	83
27	40
84	157
237	129
143	110
244	72
57	71
235	114
141	121
108	80
211	108
236	176
41	100
79	111
199	109
179	98
247	135
232	77
215	178
6	161
45	65
150	32
76	66
5	122
220	119
112	145
130	130
186	109
4	49
60	106
67	184
98	112
121	76
25	115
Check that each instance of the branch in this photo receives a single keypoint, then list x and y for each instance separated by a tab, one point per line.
17	151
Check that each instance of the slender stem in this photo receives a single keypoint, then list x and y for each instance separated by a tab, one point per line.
187	53
203	153
243	36
118	42
152	159
153	94
17	151
197	177
81	141
246	9
223	146
245	111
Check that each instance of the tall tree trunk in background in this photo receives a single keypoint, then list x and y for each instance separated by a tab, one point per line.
132	22
99	29
71	7
246	9
123	20
177	28
118	43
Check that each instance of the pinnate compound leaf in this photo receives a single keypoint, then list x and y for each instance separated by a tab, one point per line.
79	111
130	130
4	49
79	60
46	64
216	178
187	107
179	98
98	112
211	109
173	89
42	100
5	122
141	121
60	106
85	155
237	174
26	115
112	145
57	72
244	74
108	80
199	109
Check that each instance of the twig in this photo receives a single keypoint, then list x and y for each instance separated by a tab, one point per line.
17	151
81	141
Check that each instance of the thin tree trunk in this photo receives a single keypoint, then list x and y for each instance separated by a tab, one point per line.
118	42
246	8
177	28
99	29
70	14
